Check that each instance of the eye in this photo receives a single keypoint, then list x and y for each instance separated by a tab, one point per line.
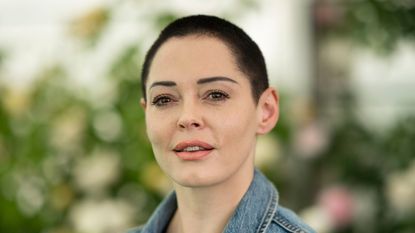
217	95
161	100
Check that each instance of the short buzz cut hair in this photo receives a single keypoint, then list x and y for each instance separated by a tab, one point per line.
246	52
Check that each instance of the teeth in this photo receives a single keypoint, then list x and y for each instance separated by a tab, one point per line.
193	148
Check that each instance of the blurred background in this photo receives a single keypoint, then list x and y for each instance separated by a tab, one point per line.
74	157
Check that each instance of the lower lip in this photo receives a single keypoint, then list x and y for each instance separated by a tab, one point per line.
192	156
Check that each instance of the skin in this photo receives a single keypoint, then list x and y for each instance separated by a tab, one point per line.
187	101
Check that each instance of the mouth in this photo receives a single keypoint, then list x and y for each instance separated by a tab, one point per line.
192	146
192	150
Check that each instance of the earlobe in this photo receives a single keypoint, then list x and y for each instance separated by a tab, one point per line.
268	110
143	103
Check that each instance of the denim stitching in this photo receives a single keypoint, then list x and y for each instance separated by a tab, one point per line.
289	227
265	222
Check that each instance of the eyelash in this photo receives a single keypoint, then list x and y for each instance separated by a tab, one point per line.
158	100
223	96
163	100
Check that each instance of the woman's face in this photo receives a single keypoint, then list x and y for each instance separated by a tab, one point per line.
201	118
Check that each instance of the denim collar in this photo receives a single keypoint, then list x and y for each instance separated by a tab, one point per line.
257	207
255	210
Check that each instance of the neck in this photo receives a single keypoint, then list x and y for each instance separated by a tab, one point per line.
207	209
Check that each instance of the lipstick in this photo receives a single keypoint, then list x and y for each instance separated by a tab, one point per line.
192	150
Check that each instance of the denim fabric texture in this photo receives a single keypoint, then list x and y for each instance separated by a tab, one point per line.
257	212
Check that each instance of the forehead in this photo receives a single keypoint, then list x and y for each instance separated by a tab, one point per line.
193	56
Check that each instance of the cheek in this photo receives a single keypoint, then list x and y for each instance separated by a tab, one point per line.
156	130
238	130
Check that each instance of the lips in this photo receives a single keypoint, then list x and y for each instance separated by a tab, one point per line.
192	150
192	146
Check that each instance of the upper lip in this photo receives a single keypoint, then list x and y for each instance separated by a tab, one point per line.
182	145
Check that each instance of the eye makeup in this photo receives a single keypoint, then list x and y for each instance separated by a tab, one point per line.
162	100
216	95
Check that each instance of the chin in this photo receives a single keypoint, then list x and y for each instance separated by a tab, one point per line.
196	179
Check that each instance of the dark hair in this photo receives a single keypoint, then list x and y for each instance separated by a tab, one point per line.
248	56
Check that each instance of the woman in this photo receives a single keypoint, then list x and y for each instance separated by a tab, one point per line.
206	99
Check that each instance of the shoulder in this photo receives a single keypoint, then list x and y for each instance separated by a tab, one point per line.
287	221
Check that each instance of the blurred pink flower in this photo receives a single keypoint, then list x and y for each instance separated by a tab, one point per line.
338	202
311	140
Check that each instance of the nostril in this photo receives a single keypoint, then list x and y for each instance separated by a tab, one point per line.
195	124
189	124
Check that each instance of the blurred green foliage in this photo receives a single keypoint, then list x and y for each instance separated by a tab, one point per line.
377	23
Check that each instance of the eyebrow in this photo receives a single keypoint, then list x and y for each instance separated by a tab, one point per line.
163	83
215	79
200	81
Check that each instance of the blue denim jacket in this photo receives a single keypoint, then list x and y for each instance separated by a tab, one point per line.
258	212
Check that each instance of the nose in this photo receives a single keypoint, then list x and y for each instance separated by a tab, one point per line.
190	117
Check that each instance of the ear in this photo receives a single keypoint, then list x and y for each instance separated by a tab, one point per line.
268	111
143	103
